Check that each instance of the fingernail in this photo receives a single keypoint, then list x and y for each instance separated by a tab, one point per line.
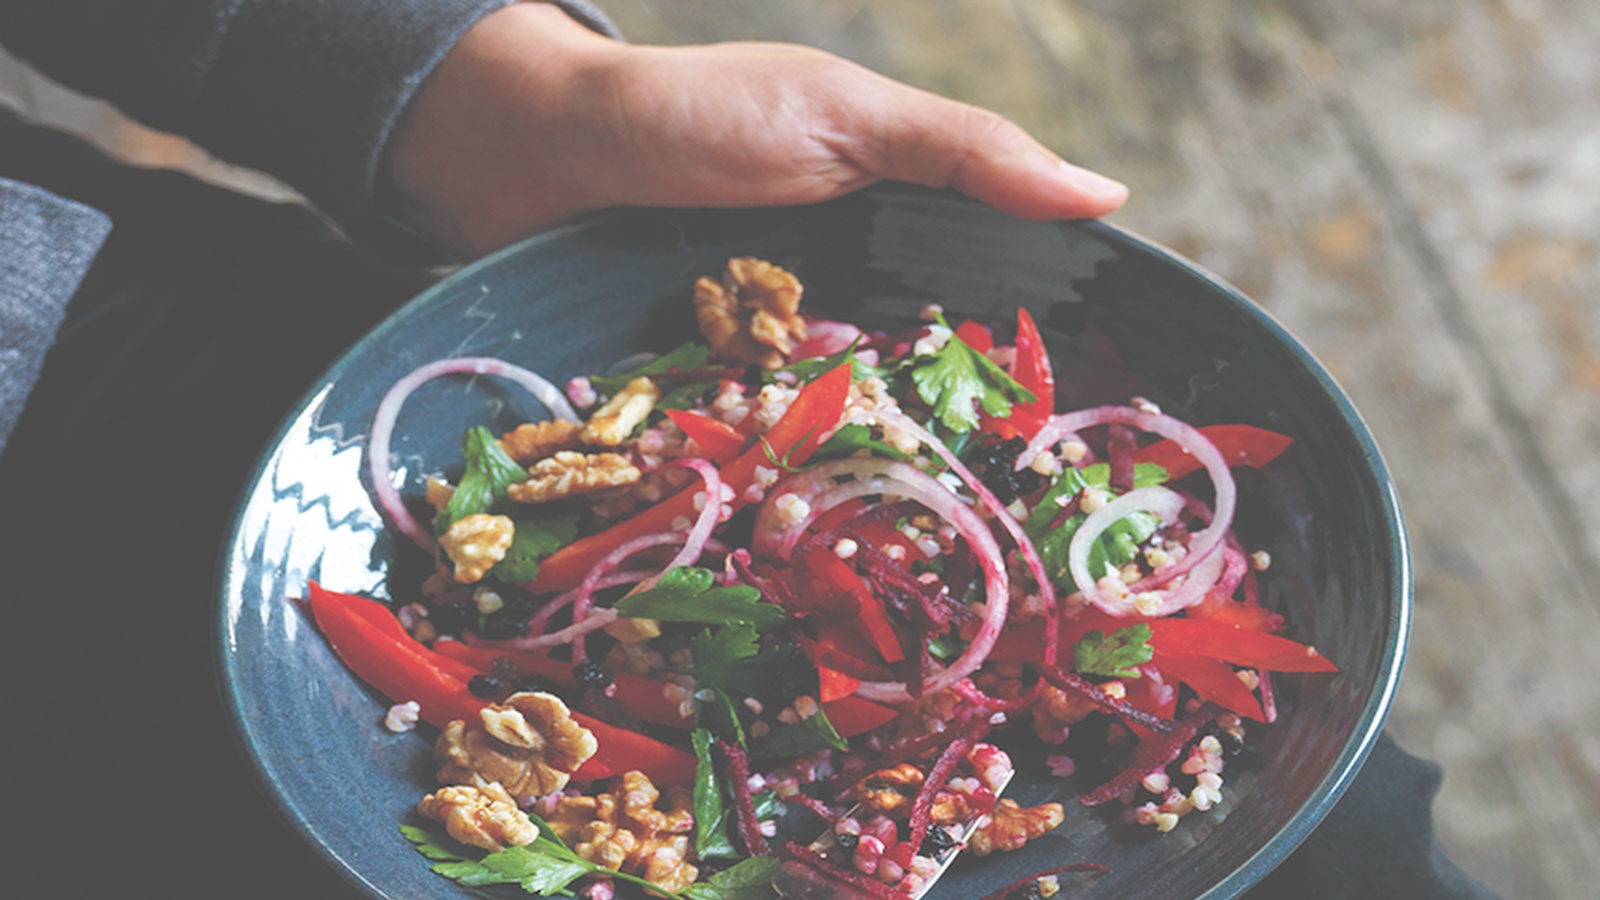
1097	186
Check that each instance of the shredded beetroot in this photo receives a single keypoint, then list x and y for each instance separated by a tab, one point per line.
922	807
1072	682
815	805
1152	754
1269	704
744	805
1119	453
855	879
1005	892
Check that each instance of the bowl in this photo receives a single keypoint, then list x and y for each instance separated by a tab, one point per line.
1121	317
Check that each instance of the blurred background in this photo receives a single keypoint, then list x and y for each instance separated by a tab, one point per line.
1414	190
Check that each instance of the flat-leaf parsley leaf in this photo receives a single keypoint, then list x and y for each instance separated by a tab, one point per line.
956	380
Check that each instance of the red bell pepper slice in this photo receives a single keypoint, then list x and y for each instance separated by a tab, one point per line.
1239	646
641	697
1213	680
834	684
795	436
976	335
851	716
1031	369
1227	611
1241	445
1027	644
718	441
402	668
829	572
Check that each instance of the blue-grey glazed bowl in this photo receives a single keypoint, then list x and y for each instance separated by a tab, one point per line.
1121	317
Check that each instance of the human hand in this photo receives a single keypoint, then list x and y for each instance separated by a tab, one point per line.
533	118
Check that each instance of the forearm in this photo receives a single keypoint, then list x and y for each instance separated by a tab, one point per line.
306	90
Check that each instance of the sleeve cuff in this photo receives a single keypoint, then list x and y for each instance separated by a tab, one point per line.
312	91
49	244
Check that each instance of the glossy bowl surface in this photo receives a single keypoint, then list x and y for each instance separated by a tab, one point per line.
1121	317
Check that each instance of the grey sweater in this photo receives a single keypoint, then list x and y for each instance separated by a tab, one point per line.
308	90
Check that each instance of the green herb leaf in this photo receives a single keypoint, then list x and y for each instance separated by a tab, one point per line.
490	470
806	736
686	594
1114	655
682	359
750	879
542	868
538	534
808	369
1062	490
957	380
1144	474
712	833
850	438
1120	543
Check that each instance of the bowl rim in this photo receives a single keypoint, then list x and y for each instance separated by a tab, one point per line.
1367	729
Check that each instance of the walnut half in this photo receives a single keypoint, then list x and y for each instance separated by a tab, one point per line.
484	817
623	830
530	745
567	474
1011	826
752	315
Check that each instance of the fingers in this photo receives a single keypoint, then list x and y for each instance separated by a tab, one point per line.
904	134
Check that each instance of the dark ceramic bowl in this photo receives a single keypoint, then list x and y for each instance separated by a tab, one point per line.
1121	317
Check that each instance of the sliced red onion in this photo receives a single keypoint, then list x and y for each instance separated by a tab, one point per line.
825	337
1165	503
1030	554
882	476
541	619
710	514
388	412
1201	545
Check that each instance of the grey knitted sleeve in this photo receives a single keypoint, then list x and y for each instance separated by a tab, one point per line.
48	244
308	90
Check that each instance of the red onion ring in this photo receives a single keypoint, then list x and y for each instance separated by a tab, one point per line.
1201	545
881	476
1030	554
388	413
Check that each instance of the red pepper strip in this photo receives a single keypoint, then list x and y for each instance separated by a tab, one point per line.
838	647
1226	611
1240	445
976	336
396	664
834	684
1027	644
718	441
1031	369
793	439
1214	681
830	572
402	669
851	716
1239	646
641	697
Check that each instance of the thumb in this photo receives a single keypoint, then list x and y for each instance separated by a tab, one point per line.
898	132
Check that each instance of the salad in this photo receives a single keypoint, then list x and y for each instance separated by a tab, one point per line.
799	579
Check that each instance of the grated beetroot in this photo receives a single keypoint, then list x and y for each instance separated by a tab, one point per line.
1119	454
1020	883
744	805
938	775
1074	683
1153	753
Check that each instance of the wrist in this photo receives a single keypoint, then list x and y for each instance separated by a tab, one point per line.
487	123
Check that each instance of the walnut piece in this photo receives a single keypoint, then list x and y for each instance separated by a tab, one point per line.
890	791
1057	710
475	543
1011	826
530	745
624	831
532	441
611	424
484	816
567	474
752	315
